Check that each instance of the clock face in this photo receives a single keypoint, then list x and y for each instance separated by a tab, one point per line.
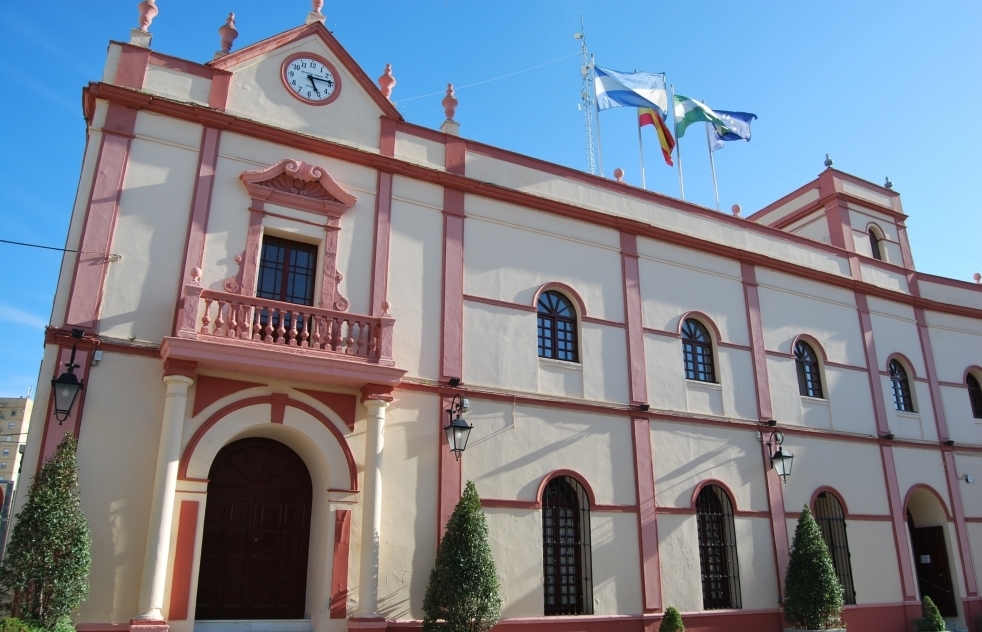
311	78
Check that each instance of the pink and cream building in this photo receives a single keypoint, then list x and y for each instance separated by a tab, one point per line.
297	283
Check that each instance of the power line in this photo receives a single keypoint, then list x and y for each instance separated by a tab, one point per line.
21	243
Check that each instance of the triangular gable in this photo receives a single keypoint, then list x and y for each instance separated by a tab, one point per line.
289	37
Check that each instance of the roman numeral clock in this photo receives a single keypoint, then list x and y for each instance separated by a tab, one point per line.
311	78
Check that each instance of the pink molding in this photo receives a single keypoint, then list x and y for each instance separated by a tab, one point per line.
92	261
180	591
975	370
208	390
896	355
54	431
834	492
455	156
334	71
303	172
564	289
634	319
718	483
200	207
927	352
898	511
961	531
131	69
814	344
934	492
702	318
344	405
277	410
387	136
319	30
452	341
380	248
182	470
869	348
644	485
376	160
582	480
451	479
339	569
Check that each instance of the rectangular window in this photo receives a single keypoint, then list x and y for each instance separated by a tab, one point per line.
10	426
3	465
6	451
287	271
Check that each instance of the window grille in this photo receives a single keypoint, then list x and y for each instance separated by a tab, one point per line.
975	396
902	399
557	328
287	272
717	550
809	374
874	245
831	521
697	352
567	558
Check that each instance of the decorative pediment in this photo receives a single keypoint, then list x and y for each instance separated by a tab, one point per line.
300	185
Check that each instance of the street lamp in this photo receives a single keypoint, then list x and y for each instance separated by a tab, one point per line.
458	431
67	386
781	459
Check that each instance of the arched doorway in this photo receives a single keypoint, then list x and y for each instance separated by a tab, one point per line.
927	523
256	534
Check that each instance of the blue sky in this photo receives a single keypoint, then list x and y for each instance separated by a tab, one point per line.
878	85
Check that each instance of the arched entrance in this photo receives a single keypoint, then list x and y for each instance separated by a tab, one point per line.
927	523
256	534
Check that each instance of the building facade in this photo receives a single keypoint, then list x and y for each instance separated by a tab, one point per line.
15	420
297	284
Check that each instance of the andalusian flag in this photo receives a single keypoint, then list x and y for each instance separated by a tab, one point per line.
689	111
649	116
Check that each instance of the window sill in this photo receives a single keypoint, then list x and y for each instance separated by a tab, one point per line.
815	400
909	414
713	386
565	364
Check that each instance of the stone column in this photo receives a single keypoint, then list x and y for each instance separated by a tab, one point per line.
376	401
162	507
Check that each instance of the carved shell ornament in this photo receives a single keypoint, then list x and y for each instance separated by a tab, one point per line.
300	178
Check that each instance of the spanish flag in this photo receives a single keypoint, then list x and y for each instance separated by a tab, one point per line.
649	116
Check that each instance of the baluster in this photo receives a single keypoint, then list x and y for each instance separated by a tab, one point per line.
269	325
292	340
349	342
256	327
304	334
280	330
233	323
246	329
362	339
206	319
372	340
336	338
220	321
315	324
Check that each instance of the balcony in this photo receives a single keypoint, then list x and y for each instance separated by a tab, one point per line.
255	336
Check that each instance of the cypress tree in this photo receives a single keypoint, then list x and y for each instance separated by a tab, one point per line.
931	619
44	575
462	595
672	621
812	593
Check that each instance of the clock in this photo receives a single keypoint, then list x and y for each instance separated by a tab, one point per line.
311	78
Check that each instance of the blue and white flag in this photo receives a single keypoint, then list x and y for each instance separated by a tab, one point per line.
630	89
737	127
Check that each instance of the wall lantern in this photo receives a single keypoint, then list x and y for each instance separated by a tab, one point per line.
67	386
781	459
458	431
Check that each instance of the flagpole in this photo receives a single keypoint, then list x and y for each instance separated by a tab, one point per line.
678	143
712	163
600	143
641	152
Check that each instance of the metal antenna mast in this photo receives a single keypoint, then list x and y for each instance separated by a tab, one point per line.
586	97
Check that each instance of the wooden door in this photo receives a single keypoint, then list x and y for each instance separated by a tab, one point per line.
933	575
257	526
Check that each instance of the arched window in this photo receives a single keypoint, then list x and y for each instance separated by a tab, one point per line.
717	550
975	395
831	521
557	328
697	352
566	555
902	399
874	244
809	374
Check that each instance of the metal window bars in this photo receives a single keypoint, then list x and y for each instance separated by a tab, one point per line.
718	561
566	553
831	521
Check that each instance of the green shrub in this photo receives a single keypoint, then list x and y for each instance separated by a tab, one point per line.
44	575
672	621
13	624
931	620
462	595
812	593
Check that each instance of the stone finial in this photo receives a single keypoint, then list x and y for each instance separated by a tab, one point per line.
196	275
148	10
450	103
228	34
828	162
315	14
619	175
888	184
735	209
140	36
386	82
977	277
